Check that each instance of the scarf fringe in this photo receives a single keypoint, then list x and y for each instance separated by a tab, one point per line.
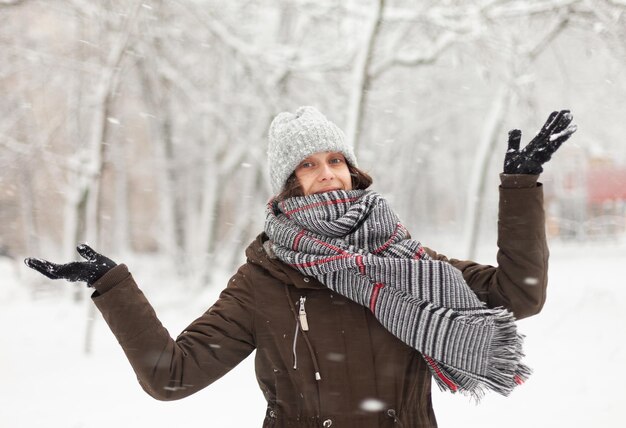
505	371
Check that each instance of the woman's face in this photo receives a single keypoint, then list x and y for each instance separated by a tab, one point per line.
323	172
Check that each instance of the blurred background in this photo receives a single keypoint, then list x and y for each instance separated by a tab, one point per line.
140	126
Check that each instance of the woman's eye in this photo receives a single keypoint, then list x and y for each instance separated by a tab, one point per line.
336	160
306	164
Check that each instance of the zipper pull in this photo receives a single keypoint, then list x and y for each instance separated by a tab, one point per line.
302	315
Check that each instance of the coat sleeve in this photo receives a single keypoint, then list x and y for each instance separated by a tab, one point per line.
519	281
208	348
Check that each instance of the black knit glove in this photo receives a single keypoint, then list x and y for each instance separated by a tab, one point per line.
529	160
90	271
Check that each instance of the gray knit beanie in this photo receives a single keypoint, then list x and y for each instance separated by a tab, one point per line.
295	136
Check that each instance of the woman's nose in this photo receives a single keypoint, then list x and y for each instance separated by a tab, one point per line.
326	173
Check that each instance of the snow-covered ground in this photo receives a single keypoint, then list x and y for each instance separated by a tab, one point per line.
575	346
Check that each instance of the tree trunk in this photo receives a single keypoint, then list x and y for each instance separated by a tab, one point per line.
121	222
361	78
488	145
90	182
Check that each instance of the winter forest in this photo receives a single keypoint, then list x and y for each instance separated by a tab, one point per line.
140	127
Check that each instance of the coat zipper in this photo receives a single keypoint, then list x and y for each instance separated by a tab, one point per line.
302	315
301	323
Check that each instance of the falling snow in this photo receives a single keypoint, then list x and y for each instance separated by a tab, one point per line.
583	315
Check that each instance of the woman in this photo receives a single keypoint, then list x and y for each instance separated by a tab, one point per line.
349	317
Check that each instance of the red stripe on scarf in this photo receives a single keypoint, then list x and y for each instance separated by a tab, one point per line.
443	377
296	241
389	241
374	296
318	204
319	262
518	380
420	254
359	262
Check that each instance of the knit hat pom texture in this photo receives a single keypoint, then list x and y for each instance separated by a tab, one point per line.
295	136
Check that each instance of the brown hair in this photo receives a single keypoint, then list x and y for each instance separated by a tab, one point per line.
360	181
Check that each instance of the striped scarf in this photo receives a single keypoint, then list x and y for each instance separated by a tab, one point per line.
353	243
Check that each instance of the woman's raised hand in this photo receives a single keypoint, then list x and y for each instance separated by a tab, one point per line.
557	129
89	271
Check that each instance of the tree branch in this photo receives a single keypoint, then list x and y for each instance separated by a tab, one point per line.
55	60
517	8
7	3
273	58
558	26
441	44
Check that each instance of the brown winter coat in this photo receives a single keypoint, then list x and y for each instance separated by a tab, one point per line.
368	377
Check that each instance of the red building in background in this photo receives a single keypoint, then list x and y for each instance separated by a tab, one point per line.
606	185
587	200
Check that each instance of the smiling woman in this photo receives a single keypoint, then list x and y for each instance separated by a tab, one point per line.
323	172
351	319
360	180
